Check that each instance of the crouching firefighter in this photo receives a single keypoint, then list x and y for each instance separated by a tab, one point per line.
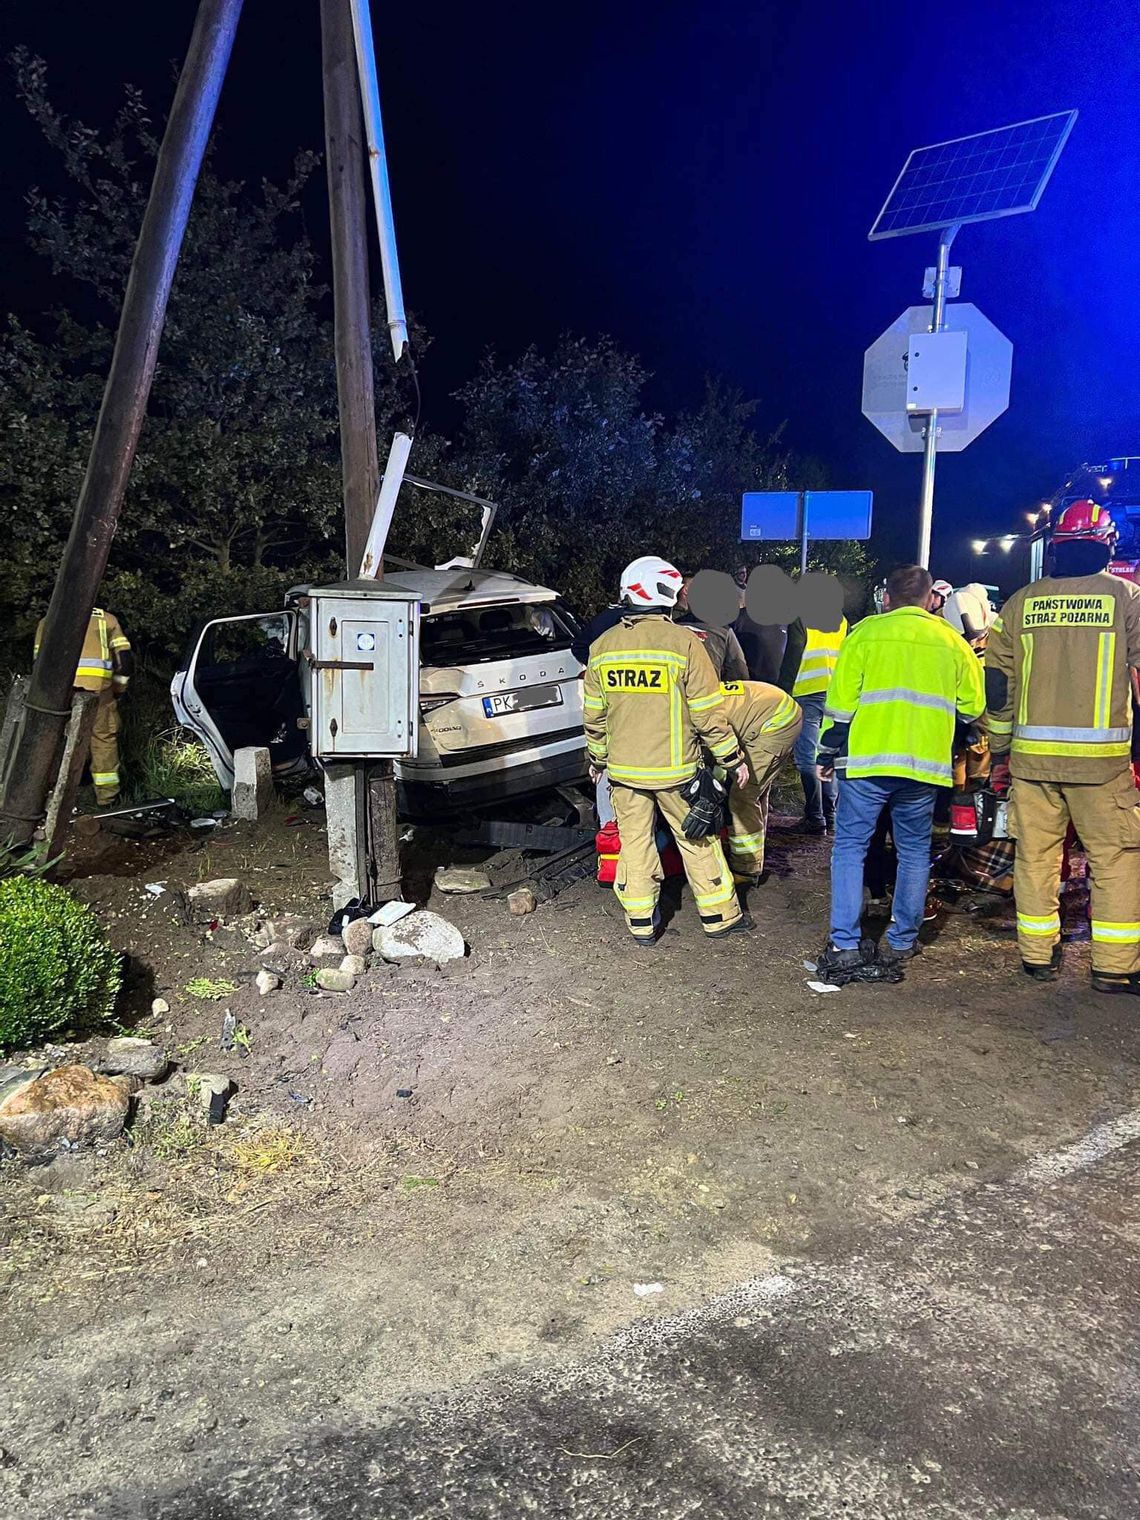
767	722
105	667
1059	717
651	698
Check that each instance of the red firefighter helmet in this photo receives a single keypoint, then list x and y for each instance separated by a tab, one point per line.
1087	520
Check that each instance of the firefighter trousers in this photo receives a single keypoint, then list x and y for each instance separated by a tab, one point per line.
639	870
104	758
1106	817
748	813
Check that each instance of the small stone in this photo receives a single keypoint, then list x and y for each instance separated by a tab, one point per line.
424	936
330	980
225	897
522	902
325	946
461	879
266	982
354	965
292	929
212	1089
71	1103
357	937
135	1058
159	1008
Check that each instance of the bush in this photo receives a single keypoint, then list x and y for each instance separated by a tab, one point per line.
57	970
174	764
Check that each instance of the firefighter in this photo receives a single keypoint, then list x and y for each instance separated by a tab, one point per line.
105	667
651	697
1059	715
809	663
767	722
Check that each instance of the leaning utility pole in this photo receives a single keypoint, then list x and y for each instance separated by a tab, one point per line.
48	702
345	163
375	783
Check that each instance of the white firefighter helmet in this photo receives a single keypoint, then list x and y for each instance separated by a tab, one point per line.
650	582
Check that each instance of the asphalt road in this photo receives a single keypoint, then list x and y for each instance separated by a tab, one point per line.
978	1360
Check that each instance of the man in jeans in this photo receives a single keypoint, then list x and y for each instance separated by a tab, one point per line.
809	662
903	683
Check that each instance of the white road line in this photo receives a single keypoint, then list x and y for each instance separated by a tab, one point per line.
1097	1144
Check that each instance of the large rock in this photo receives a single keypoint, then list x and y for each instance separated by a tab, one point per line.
325	946
522	902
333	979
71	1103
355	965
132	1057
291	929
252	793
461	879
357	937
226	897
421	936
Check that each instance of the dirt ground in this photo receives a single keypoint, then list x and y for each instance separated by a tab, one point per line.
582	1118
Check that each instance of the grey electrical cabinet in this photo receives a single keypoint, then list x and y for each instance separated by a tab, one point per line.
363	654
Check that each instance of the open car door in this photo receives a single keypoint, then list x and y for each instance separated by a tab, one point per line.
241	687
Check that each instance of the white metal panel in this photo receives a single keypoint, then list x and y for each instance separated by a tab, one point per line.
365	675
936	372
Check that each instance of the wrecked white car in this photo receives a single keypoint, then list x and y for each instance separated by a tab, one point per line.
499	693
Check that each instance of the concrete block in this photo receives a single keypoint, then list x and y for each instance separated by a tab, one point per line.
253	783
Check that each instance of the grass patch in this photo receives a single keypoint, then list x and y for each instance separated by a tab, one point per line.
173	764
268	1151
209	989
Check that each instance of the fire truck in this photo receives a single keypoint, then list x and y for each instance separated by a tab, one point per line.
1115	485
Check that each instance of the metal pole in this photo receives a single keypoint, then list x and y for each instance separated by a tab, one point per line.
348	218
48	703
930	438
803	532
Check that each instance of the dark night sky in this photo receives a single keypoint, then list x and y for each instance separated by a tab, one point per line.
698	181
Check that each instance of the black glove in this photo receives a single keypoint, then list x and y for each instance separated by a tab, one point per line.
706	798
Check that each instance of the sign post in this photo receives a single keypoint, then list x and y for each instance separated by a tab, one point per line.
784	516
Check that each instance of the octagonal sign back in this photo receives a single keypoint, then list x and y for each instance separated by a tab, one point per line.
989	363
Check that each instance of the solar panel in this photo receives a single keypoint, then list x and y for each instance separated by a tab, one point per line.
975	179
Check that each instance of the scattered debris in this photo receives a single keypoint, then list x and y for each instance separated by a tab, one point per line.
391	913
332	979
155	888
354	965
266	982
522	901
313	797
424	936
229	1029
461	879
823	987
647	1290
225	897
213	1091
404	1092
204	823
71	1103
129	1056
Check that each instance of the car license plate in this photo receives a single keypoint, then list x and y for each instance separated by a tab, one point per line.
506	702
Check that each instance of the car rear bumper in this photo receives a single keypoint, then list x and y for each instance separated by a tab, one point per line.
421	796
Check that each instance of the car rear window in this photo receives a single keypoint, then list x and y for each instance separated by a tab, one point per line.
507	632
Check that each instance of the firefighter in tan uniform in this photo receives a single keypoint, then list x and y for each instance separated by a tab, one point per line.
767	722
1059	717
105	667
651	698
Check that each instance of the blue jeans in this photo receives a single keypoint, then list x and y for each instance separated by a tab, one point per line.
861	801
603	801
819	796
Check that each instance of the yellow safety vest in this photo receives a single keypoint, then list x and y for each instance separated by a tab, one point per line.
817	663
103	640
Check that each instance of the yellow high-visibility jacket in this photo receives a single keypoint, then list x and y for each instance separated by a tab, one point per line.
104	644
651	697
1058	688
817	663
902	681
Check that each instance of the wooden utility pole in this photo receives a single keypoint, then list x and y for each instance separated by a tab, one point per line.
346	156
47	705
346	159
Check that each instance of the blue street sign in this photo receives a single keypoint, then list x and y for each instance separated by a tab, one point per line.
826	514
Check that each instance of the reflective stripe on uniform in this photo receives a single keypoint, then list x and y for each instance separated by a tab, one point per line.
705	704
1105	931
634	904
1097	735
923	770
745	844
837	715
1026	672
105	778
594	702
907	694
1086	750
1039	926
784	716
1105	659
660	776
998	725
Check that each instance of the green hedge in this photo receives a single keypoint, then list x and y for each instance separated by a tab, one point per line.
57	970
